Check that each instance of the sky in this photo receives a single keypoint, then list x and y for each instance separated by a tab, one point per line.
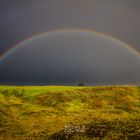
20	20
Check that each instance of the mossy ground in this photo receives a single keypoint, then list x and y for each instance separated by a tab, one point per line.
44	112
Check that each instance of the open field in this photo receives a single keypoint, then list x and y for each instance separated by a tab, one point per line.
67	112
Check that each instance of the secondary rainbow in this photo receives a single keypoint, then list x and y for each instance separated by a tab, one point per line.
32	38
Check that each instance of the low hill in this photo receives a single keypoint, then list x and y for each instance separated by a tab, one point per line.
61	112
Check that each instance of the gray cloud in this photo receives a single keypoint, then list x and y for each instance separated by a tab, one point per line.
21	19
71	57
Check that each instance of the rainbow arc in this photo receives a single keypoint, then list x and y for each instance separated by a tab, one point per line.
35	37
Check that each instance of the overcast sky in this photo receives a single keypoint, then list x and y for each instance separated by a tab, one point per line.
21	19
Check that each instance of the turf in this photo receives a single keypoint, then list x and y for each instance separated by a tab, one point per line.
69	112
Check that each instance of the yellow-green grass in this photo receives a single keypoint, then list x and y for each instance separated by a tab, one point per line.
43	112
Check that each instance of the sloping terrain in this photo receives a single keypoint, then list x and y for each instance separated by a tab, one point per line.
59	112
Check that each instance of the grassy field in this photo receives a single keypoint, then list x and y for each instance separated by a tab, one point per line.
67	112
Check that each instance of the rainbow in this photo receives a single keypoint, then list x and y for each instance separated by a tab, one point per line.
32	38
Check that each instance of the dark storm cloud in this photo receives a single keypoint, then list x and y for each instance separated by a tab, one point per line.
21	19
71	57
